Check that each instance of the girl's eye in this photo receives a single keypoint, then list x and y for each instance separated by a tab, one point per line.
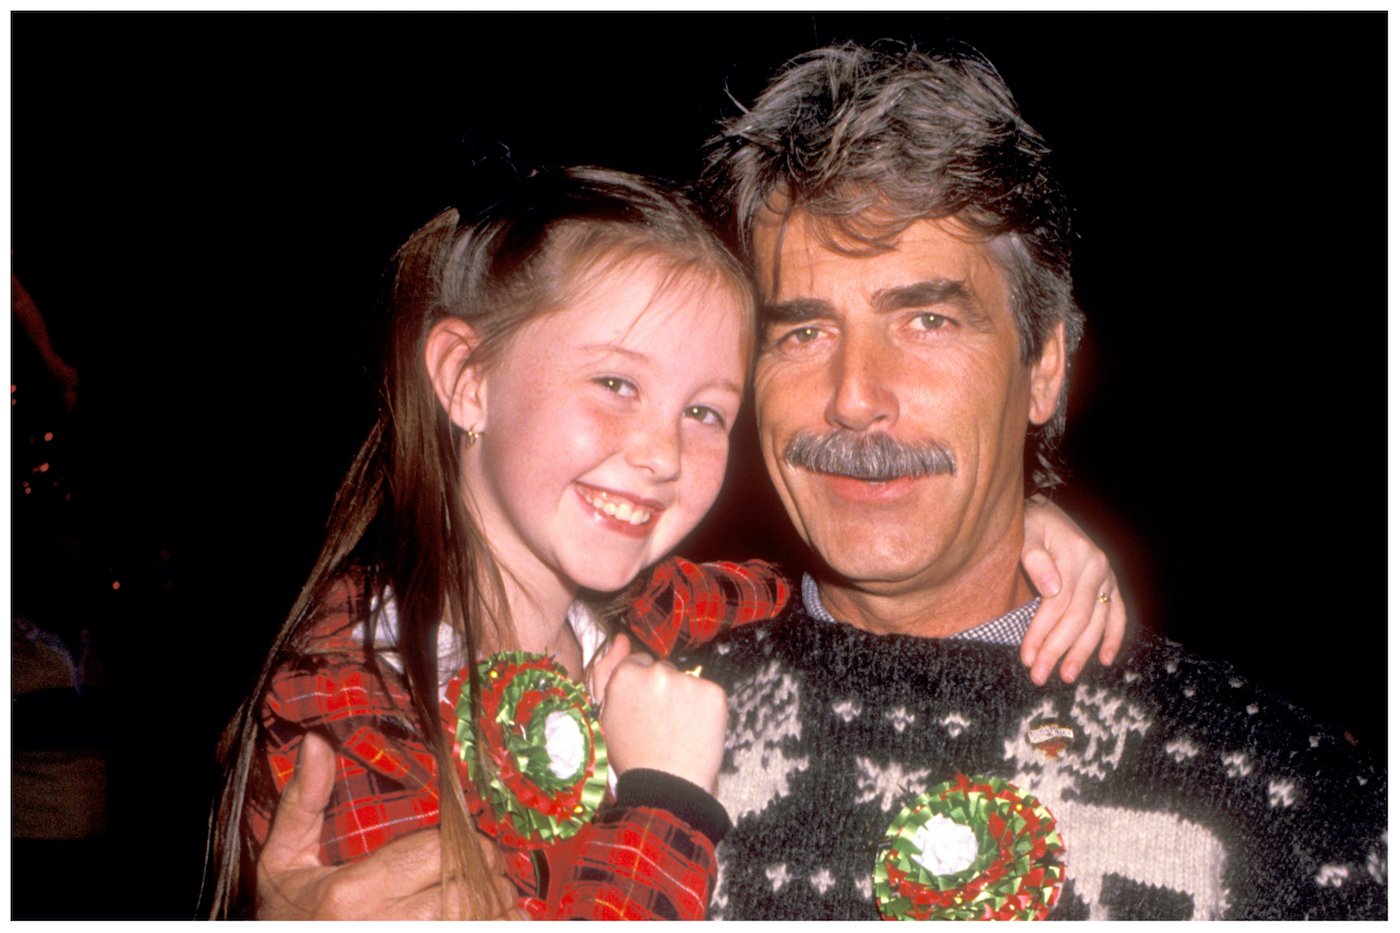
617	386
930	321
705	415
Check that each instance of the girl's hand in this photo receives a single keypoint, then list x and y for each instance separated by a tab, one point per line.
657	717
1073	577
600	671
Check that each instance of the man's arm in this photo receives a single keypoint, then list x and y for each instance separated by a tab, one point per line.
400	881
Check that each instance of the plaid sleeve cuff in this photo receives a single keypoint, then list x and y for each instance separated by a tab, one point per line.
683	605
687	802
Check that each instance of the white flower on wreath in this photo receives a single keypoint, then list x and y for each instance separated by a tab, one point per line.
565	743
945	846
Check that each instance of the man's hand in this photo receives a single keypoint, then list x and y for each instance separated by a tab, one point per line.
401	881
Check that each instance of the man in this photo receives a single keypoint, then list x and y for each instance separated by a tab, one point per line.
885	753
912	252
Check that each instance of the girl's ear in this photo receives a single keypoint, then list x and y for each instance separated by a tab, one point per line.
457	382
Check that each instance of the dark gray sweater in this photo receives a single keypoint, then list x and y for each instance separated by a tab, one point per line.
1180	790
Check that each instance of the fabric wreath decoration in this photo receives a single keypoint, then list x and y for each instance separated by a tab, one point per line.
970	849
546	760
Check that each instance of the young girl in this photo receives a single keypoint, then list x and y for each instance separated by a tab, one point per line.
562	373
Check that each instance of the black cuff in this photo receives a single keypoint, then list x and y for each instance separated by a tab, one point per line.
643	787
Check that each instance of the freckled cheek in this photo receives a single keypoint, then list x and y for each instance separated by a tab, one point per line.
599	432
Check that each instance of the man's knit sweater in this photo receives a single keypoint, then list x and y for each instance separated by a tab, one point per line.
1180	790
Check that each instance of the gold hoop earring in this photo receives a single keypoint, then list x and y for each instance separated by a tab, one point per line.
472	437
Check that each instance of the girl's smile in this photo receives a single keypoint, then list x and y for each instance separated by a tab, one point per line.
626	515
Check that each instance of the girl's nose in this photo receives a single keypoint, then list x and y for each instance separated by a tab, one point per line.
656	448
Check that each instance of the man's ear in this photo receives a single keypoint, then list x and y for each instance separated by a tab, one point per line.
1048	376
457	382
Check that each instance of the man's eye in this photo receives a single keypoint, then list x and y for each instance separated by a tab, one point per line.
798	336
705	415
617	386
930	321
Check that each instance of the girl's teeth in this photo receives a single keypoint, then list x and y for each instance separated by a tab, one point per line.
623	511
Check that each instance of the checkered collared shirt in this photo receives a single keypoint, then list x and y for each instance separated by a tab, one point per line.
1009	629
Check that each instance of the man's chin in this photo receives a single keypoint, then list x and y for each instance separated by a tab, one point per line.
855	557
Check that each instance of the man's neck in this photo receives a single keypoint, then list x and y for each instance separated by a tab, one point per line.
987	590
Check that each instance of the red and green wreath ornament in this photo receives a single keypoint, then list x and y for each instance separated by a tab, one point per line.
546	761
970	849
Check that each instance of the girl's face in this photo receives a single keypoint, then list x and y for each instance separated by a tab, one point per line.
606	426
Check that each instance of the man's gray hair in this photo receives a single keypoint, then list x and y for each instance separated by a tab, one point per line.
868	140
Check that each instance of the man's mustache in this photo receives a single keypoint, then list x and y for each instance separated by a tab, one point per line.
875	458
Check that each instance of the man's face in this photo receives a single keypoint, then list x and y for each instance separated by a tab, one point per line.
918	344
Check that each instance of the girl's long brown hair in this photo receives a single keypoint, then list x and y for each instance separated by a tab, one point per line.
400	514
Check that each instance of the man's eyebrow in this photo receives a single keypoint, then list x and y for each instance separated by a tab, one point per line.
930	293
927	294
795	311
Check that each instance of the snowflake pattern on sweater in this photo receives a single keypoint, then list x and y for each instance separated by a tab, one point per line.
1181	791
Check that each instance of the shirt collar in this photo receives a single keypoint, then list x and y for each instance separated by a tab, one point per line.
1009	629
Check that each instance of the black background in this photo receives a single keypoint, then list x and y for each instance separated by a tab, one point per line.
202	205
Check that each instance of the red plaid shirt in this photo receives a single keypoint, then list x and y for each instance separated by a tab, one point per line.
629	863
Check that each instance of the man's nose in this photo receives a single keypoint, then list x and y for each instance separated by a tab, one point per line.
655	447
862	394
